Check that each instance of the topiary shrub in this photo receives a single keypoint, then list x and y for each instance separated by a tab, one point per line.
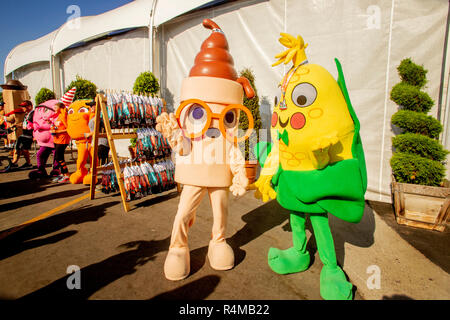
421	145
43	95
419	157
1	96
412	73
415	122
85	88
414	169
411	98
253	105
146	83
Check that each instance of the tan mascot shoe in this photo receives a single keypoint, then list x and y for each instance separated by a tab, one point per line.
177	264
220	255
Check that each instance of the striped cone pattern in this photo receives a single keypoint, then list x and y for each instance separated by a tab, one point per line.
67	98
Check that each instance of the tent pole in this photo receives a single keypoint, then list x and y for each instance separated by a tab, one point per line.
444	71
150	33
56	85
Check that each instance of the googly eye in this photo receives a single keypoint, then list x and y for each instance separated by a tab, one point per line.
277	99
230	119
70	111
304	94
83	110
197	113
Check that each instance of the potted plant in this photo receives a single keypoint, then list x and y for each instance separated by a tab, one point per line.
146	83
253	105
421	194
85	88
43	95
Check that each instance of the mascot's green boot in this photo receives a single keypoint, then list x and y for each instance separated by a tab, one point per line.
333	283
296	258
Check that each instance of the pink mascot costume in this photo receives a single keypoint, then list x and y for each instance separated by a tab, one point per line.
44	115
42	121
203	134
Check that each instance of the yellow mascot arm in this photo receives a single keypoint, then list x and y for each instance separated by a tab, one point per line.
167	124
320	149
237	166
264	190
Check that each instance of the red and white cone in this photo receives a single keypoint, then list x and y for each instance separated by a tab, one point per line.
67	98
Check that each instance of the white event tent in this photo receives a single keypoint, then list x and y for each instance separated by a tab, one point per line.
369	37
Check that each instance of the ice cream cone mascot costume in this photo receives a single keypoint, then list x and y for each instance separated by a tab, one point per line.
203	133
78	116
315	165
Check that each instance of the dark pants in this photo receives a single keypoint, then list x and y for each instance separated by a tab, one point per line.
103	152
42	157
59	157
23	143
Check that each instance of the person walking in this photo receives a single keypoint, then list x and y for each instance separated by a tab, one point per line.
20	118
3	127
61	139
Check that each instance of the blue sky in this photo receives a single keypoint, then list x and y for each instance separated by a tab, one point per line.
30	19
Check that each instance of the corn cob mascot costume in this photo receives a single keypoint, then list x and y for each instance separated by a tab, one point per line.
315	165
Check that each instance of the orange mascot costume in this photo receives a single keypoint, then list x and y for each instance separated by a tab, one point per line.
78	116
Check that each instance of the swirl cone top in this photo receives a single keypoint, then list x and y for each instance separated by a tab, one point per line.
214	60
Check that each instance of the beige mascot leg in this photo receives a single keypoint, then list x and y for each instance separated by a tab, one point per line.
177	265
220	254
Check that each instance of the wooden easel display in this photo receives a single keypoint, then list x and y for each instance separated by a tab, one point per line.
126	133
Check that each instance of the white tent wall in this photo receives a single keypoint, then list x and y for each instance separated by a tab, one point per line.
37	74
113	63
369	37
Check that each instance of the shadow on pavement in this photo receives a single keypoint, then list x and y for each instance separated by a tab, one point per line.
432	244
358	234
22	240
199	289
98	275
56	195
24	187
397	297
258	221
157	199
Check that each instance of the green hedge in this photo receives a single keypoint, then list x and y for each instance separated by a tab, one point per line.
421	145
43	95
411	168
146	83
415	122
411	98
412	73
85	88
253	105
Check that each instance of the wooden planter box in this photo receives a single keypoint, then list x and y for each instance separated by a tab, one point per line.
421	206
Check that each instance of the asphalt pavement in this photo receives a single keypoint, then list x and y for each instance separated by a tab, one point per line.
48	230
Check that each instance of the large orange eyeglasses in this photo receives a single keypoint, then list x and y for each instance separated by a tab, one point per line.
194	117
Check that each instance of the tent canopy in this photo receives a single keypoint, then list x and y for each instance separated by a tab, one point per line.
132	15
